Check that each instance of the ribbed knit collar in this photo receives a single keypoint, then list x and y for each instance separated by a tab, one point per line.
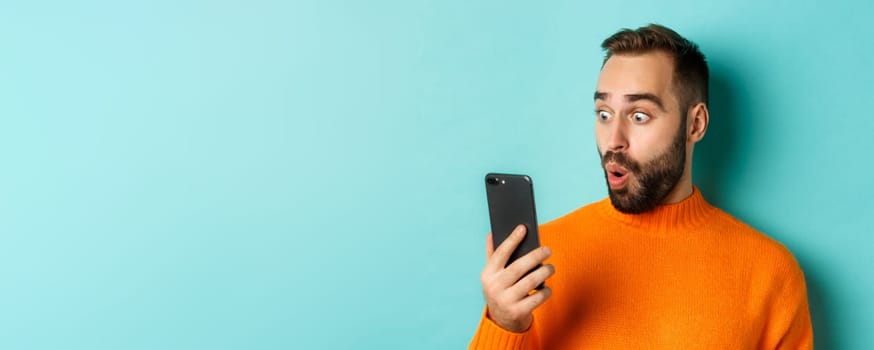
665	218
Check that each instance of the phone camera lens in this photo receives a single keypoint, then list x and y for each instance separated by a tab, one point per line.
492	181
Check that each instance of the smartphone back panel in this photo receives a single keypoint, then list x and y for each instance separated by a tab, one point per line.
511	202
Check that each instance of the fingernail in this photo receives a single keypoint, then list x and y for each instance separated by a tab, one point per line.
519	230
547	251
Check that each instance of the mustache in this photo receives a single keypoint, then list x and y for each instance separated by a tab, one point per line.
620	159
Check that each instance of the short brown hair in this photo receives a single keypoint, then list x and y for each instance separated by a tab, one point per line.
691	75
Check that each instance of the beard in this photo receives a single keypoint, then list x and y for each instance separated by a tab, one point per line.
653	181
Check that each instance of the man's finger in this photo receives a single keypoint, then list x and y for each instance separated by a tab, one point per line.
500	256
521	266
532	301
528	283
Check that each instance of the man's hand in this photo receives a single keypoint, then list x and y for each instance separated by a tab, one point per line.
508	296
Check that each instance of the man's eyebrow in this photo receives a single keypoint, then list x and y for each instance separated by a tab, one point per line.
646	97
634	97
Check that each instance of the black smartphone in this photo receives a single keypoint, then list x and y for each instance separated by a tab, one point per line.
511	203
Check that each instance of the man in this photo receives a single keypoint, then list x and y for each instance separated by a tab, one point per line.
655	266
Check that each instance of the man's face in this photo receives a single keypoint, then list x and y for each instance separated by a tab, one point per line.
640	130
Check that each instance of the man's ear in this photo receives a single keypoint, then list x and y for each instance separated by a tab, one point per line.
698	120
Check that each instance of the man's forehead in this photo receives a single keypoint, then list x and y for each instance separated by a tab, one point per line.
652	70
638	74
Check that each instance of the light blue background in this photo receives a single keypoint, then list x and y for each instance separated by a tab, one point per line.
308	175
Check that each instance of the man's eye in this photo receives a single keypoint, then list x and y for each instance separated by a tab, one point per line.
639	117
603	115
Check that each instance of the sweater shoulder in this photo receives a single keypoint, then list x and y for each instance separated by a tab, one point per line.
760	245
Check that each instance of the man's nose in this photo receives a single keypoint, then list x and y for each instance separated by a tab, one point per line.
618	140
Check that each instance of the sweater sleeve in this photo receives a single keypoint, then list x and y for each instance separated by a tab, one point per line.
792	321
490	335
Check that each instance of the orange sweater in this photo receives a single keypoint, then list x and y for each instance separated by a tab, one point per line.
684	276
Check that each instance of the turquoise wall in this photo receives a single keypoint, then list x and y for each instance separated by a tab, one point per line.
308	175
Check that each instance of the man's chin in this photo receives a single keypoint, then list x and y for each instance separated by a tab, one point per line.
626	207
627	191
626	201
622	191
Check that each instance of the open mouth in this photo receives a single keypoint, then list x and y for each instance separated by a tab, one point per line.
616	170
617	175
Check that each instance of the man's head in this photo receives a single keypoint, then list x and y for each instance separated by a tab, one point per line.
650	109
